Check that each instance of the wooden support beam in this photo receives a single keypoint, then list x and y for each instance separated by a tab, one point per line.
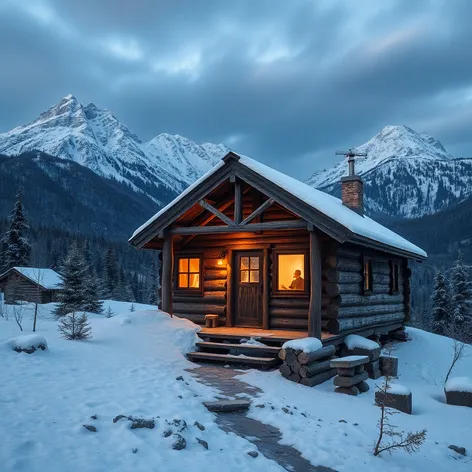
216	212
166	278
265	290
314	310
229	288
258	211
270	225
238	202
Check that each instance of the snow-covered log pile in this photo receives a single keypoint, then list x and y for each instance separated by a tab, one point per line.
355	345
351	378
306	361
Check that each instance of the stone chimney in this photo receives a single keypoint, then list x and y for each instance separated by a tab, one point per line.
352	188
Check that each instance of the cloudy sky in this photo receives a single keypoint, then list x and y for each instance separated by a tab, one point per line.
287	82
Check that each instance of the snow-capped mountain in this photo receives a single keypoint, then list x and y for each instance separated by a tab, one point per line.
406	174
94	138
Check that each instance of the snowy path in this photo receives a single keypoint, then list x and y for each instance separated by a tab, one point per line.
264	436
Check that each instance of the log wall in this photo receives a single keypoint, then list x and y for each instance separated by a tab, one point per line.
17	288
349	308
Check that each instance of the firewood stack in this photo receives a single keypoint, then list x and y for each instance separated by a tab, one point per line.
307	368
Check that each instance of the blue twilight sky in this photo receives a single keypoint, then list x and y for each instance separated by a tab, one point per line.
286	82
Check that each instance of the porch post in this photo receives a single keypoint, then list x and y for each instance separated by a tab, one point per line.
167	265
314	311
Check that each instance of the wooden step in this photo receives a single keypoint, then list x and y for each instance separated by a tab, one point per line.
236	338
246	348
262	362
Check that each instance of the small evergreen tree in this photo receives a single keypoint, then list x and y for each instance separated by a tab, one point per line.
91	283
74	290
16	248
75	327
461	292
109	313
110	273
441	304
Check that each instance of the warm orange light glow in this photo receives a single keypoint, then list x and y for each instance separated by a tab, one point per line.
220	262
291	272
189	273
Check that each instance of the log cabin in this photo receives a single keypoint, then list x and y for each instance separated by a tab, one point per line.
30	284
266	253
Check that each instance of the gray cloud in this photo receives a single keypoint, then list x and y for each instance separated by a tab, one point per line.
286	82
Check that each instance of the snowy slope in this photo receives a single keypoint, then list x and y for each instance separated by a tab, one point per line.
129	367
93	137
339	431
406	174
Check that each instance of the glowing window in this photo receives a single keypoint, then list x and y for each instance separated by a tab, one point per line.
367	275
188	275
249	269
291	272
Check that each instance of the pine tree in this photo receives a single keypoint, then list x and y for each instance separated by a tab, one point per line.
74	290
16	248
92	284
75	327
461	292
110	273
441	304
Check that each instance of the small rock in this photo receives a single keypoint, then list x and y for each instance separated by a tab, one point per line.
90	428
199	426
118	418
179	378
135	450
261	405
286	410
142	423
342	421
303	414
253	454
179	442
94	417
272	407
355	424
180	396
167	433
459	450
180	424
203	443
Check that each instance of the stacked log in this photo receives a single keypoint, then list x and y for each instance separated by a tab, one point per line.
348	308
307	368
355	345
351	376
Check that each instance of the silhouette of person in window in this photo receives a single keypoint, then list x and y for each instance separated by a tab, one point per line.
297	283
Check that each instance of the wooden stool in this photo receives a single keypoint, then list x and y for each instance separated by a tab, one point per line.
211	321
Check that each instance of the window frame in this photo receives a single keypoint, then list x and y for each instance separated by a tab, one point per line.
394	277
367	260
187	291
275	292
249	270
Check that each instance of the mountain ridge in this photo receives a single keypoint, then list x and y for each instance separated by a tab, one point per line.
95	138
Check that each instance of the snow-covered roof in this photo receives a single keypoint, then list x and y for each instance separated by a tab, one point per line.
47	278
330	206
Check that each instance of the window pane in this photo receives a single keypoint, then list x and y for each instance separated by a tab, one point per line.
291	274
194	281
254	262
244	276
183	265
254	276
183	281
244	262
194	265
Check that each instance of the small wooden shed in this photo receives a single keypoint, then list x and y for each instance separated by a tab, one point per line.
30	284
265	251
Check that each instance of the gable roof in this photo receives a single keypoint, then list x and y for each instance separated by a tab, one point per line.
46	278
318	208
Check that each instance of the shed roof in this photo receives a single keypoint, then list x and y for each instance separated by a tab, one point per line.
47	278
350	226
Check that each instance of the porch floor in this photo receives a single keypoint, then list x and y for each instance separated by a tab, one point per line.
276	335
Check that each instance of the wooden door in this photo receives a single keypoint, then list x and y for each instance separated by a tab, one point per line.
248	288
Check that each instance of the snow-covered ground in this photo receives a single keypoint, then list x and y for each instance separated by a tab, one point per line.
339	431
129	367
